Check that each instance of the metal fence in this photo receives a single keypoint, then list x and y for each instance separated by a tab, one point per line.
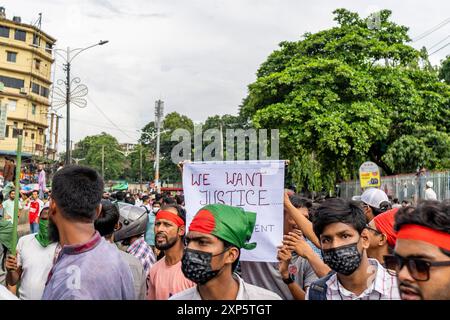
409	187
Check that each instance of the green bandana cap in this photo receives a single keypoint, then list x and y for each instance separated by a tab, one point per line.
228	223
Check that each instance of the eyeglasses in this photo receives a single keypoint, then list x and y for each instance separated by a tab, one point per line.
419	269
374	230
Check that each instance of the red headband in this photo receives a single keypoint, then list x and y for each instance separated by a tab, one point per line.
384	222
167	215
417	232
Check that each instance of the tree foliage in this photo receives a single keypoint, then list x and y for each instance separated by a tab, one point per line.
90	149
444	72
350	94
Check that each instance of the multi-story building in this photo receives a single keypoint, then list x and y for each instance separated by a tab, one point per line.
25	77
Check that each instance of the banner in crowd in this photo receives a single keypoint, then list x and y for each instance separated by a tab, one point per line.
256	186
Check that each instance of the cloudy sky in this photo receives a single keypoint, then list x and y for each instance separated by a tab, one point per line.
196	55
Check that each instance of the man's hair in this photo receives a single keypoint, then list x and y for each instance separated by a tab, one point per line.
395	200
158	197
108	218
384	206
145	198
299	201
431	214
169	200
228	245
338	210
180	211
11	191
120	195
179	199
77	191
34	191
404	201
130	200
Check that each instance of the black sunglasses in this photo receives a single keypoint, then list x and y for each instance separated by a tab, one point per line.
419	269
374	230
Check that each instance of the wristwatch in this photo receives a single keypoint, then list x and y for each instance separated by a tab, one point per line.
290	279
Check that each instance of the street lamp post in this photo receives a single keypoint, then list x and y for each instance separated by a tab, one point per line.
74	96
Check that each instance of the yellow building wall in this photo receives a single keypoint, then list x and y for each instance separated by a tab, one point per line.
25	69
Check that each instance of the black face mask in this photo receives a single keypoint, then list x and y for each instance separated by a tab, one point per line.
345	259
196	265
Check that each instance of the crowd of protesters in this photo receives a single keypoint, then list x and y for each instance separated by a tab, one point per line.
85	243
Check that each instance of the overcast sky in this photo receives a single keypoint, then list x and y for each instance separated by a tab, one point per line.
196	55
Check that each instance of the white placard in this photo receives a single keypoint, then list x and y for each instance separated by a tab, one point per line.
256	186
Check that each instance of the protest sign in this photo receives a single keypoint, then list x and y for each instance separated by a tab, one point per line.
256	186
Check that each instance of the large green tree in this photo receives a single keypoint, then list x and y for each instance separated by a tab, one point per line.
90	150
349	94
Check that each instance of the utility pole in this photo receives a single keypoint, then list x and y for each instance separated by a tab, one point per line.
56	135
221	141
159	111
103	162
52	117
80	90
68	149
140	167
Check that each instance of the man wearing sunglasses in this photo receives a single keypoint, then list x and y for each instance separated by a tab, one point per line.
422	253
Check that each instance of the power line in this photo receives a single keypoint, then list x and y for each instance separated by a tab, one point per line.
438	43
439	49
430	31
101	126
107	118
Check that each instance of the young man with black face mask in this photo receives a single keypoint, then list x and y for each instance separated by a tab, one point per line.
341	228
165	278
216	235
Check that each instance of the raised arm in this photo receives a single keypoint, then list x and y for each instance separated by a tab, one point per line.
302	222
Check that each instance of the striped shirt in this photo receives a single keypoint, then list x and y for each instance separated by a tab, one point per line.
383	287
141	250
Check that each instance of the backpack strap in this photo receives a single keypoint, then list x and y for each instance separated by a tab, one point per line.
146	209
318	289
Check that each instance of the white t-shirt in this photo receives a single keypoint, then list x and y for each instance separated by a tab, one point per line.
36	262
5	294
246	292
